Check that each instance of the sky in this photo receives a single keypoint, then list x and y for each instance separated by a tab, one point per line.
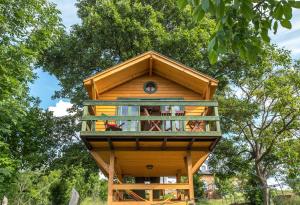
45	85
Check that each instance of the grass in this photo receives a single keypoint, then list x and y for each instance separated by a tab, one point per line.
293	200
90	201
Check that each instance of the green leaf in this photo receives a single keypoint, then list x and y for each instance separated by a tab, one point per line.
275	27
286	24
211	44
198	13
213	56
182	3
295	4
246	10
205	5
251	53
287	11
264	35
278	12
220	8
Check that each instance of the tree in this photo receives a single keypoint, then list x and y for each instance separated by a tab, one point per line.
241	24
262	114
26	28
114	31
199	186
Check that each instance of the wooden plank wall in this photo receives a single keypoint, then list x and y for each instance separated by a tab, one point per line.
135	89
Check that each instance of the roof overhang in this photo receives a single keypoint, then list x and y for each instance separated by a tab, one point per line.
150	63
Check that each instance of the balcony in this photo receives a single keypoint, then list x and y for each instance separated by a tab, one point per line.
151	119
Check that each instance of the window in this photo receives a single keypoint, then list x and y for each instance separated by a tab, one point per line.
150	87
130	125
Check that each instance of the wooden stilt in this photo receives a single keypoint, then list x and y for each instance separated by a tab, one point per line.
151	195
178	180
190	176
111	178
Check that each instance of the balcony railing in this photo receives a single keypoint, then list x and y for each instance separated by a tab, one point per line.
193	118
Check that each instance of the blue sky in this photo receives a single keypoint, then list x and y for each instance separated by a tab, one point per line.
46	84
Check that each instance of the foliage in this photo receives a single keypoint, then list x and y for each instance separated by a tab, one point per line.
226	187
34	187
293	174
241	24
261	116
114	31
7	168
252	190
87	184
199	187
26	28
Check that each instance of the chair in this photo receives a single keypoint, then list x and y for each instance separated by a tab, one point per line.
154	124
112	126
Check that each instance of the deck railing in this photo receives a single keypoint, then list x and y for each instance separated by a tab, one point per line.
208	121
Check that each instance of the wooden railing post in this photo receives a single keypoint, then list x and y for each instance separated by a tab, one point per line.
151	195
84	123
218	126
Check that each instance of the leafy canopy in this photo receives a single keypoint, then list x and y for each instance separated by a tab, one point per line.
261	119
241	24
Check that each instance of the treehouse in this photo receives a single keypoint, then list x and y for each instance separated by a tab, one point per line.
147	118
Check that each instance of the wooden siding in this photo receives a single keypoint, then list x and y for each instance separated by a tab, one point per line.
135	89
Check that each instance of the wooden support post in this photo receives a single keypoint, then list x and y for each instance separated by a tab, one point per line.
216	112
103	166
111	178
190	175
178	181
151	195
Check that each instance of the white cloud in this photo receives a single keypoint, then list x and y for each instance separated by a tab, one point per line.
60	109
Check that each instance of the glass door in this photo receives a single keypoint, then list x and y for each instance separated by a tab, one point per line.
129	125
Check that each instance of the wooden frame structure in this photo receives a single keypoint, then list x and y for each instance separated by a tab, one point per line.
151	153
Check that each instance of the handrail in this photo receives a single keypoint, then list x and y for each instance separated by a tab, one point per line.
209	118
177	118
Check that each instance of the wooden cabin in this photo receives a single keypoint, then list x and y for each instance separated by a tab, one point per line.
150	117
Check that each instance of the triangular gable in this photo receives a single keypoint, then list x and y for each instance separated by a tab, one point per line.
151	63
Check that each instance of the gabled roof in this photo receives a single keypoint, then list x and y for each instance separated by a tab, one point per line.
150	63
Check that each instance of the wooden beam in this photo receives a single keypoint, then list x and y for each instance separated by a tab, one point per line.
153	186
164	144
190	175
146	202
94	90
189	147
118	171
178	180
119	117
150	66
111	178
104	167
148	134
151	195
143	149
110	144
198	164
208	92
137	144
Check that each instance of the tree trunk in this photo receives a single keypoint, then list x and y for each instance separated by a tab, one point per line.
266	195
262	177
